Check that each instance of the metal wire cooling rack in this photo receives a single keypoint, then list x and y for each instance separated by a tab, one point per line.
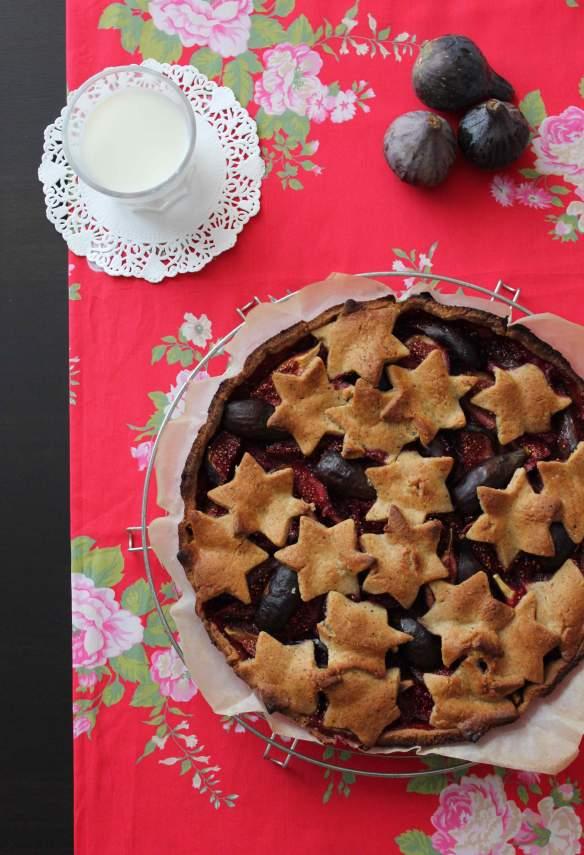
276	750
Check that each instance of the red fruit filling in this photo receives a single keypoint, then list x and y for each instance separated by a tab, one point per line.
222	455
472	448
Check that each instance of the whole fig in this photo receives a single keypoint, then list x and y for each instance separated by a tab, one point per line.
420	148
494	134
452	73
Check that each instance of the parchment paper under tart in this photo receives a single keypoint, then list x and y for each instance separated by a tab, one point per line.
546	738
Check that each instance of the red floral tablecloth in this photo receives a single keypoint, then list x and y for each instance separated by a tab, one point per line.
155	770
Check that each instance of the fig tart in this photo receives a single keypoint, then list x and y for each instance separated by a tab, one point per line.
384	516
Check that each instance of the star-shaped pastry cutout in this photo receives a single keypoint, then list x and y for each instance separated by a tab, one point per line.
285	675
515	519
525	642
357	635
221	558
260	501
363	704
406	558
565	481
326	559
362	341
414	484
522	401
305	399
365	429
470	700
467	618
560	606
429	395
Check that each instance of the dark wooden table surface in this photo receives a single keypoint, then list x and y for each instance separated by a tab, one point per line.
35	777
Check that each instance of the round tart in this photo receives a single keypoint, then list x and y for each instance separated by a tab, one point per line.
384	516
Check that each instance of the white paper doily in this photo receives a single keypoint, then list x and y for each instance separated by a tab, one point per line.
152	246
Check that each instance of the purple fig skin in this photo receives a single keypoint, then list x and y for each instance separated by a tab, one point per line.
494	134
564	548
248	418
466	564
344	476
420	148
494	472
451	73
424	650
567	436
458	345
280	599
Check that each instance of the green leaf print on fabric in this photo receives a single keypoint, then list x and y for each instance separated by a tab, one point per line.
265	32
115	16
137	598
300	32
207	61
415	843
146	694
338	782
159	46
103	566
238	78
155	634
284	7
113	693
427	784
533	108
132	665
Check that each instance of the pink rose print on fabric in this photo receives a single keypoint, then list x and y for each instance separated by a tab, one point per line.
561	825
80	725
169	672
141	454
101	628
87	679
221	25
290	82
566	791
474	816
529	778
559	145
